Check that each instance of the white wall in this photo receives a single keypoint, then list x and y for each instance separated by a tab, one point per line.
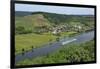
5	34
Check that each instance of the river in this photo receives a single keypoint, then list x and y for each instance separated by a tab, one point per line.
49	48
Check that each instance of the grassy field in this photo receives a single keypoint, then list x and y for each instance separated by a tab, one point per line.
26	41
68	54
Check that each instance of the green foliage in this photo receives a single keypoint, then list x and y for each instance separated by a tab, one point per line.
68	54
22	30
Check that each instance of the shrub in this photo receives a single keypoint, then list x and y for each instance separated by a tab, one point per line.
22	30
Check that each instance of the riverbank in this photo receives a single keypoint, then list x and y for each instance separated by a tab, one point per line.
30	41
83	52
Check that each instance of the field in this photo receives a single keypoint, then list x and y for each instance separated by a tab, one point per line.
68	54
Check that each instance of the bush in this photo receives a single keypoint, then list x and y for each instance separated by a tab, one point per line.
22	30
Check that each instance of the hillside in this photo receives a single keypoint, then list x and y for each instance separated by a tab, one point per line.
28	22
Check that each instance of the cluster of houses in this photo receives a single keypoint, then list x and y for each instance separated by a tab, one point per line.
60	28
64	28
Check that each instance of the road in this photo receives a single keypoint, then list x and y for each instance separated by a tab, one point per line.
49	48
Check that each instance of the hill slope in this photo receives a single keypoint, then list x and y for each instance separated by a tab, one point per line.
43	21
